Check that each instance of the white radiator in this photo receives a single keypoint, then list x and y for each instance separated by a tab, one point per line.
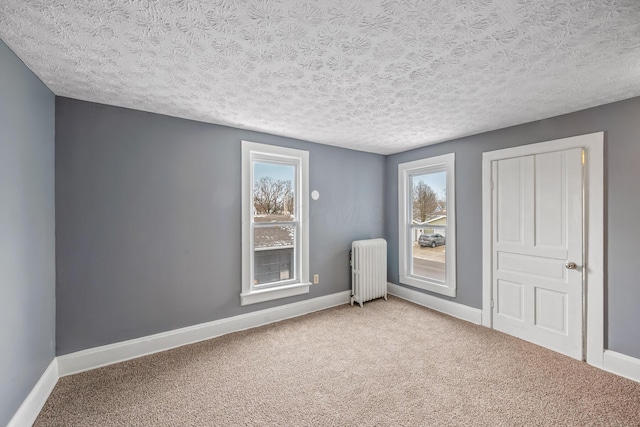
368	270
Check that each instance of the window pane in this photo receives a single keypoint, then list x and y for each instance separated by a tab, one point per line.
428	251
273	254
273	192
428	196
428	225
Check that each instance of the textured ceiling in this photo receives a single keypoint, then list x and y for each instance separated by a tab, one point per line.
379	75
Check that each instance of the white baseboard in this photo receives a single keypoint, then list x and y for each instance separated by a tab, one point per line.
621	364
119	352
464	312
31	406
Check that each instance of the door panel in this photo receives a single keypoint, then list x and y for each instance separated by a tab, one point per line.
537	223
535	265
510	200
550	190
551	310
511	300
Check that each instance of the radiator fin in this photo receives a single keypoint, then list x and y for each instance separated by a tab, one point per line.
369	270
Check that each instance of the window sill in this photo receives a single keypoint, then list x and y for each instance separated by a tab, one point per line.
263	295
449	291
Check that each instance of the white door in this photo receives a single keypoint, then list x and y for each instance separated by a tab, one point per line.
537	249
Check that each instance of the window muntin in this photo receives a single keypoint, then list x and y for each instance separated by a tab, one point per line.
275	233
427	209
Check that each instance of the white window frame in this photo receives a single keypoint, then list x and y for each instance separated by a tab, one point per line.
252	152
445	163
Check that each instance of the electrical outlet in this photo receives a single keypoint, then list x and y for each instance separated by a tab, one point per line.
316	279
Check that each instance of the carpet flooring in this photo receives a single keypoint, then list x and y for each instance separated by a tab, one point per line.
391	363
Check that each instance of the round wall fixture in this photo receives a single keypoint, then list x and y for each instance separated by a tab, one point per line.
315	195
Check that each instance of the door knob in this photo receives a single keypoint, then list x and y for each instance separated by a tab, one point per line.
570	266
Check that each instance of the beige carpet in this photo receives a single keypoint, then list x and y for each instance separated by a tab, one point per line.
390	364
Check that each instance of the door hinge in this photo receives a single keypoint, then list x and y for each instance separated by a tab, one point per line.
492	304
491	185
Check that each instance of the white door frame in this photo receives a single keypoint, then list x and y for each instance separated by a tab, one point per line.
593	145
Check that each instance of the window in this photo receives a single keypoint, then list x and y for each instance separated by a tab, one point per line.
427	234
275	230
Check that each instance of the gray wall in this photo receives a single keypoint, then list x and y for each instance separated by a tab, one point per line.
621	123
148	221
27	259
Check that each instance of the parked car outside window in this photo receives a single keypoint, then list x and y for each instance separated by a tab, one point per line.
432	240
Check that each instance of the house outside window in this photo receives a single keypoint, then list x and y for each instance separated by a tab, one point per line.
275	229
426	206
